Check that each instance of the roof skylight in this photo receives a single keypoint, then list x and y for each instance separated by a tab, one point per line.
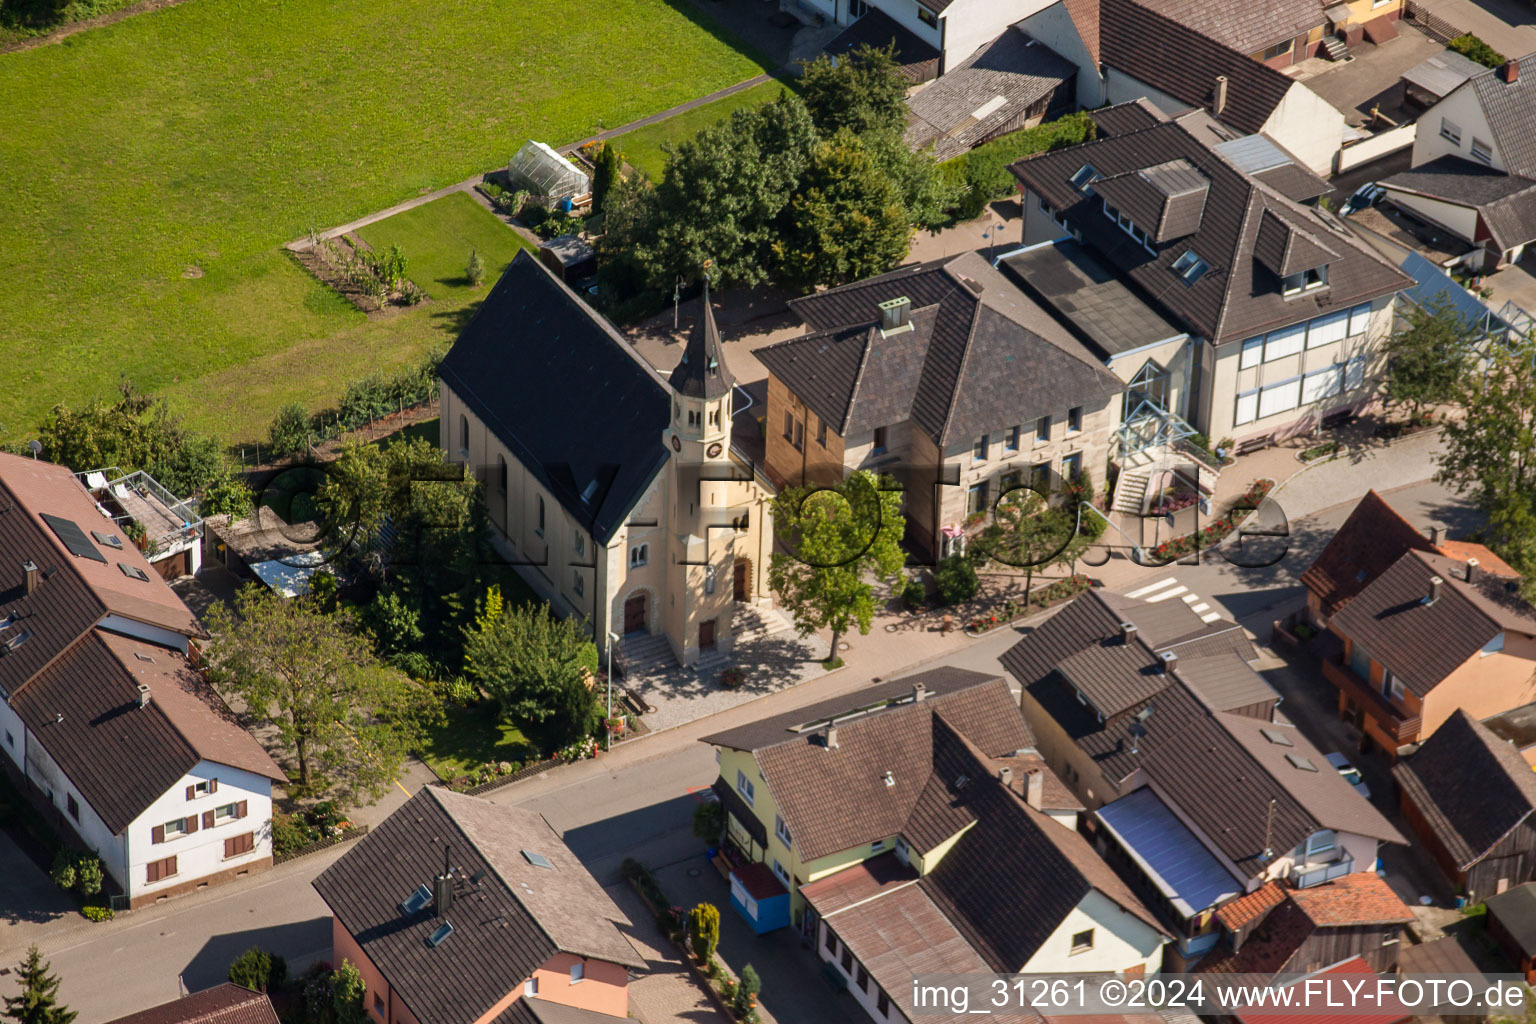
1190	267
1085	177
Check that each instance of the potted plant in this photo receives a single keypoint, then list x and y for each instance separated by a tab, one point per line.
732	676
136	533
617	724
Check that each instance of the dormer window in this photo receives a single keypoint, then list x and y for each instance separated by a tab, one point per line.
1305	281
1190	267
1129	227
1085	177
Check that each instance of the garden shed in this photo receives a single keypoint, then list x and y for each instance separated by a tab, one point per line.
543	172
570	257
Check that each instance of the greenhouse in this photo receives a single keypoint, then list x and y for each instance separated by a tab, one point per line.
544	172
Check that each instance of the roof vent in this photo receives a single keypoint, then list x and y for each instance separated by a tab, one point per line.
1435	583
890	780
1472	565
1127	631
442	888
1170	661
895	315
143	695
538	860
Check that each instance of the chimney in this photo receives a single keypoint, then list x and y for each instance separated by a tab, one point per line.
442	887
1005	776
1472	565
1034	789
1127	631
831	737
919	692
1510	72
1434	535
143	695
1170	661
1434	590
895	314
29	571
1220	102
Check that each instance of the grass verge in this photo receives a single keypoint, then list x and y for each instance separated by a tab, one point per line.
642	147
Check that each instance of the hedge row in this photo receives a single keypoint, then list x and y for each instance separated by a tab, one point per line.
983	172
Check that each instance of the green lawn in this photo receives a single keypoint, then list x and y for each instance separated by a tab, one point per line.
436	238
642	147
471	736
155	167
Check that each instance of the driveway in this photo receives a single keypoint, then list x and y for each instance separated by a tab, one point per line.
1372	77
1509	26
28	900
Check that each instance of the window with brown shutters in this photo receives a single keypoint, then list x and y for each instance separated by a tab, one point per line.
207	819
157	834
236	845
161	869
190	825
240	809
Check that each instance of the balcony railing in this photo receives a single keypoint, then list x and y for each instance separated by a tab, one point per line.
1304	875
1398	725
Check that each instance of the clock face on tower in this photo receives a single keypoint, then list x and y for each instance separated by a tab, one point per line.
677	443
714	450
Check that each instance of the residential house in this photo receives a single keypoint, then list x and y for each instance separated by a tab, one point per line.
1512	924
945	376
1285	33
931	37
111	725
616	493
1280	309
1199	793
223	1004
1470	799
1473	170
1517	727
459	911
916	819
172	528
1280	929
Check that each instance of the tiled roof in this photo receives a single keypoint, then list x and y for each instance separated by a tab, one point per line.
584	407
702	373
916	59
1510	108
1187	745
1515	909
1352	973
1123	118
1471	787
861	882
1238	296
498	925
1085	18
1371	539
1243	28
980	357
1138	41
1505	202
1487	561
1168	198
978	98
1423	643
1442	956
1245	910
223	1004
1358	899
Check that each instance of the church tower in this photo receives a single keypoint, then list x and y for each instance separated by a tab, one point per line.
700	432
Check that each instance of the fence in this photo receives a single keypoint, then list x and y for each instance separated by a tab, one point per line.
1376	146
526	772
1430	24
355	832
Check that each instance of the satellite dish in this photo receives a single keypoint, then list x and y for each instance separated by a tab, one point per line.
36	448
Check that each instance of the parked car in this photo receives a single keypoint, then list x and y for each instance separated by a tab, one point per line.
1350	773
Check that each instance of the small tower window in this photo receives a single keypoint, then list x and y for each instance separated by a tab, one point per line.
539	529
464	436
714	416
693	417
639	555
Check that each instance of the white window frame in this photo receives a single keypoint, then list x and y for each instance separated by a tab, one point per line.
1325	330
1354	374
1305	281
228	812
531	987
1321	384
1482	151
1450	131
744	787
782	831
1280	397
1287	341
1247	409
639	554
1253	353
1493	646
1321	841
180	829
578	972
1359	319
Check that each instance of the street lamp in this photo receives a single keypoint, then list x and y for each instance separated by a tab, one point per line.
608	720
990	236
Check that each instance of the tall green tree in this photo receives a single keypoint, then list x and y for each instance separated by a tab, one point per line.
846	221
861	91
838	542
135	432
38	1001
348	990
537	667
313	677
1490	451
1428	357
605	171
1028	532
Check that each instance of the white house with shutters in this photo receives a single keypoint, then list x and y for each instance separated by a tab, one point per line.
106	723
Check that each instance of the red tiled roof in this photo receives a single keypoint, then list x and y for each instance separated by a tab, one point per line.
1360	898
759	880
1349	968
854	885
1487	561
1256	904
224	1004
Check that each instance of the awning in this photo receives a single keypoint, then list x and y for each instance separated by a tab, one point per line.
1172	857
732	802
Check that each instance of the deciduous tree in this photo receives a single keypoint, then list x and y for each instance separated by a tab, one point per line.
846	221
1428	358
605	171
312	676
839	541
862	91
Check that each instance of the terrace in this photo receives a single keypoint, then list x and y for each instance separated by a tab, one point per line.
170	525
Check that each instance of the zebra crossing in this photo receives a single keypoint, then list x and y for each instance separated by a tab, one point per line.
1170	588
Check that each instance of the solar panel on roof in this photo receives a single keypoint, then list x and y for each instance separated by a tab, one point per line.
74	538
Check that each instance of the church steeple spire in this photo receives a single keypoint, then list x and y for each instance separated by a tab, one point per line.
702	372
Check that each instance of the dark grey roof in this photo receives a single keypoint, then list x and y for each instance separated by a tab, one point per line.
563	391
497	925
1516	726
1187	748
1507	202
1168	198
980	356
990	88
1422	643
1088	297
1516	911
1175	57
1238	296
916	58
1286	249
1225	682
1470	787
702	372
1510	108
1121	118
1244	29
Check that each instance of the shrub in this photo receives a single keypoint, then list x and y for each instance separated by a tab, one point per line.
98	914
913	594
747	988
289	431
982	174
227	496
732	677
259	970
88	875
1473	48
475	268
957	581
704	931
708	821
287	834
63	870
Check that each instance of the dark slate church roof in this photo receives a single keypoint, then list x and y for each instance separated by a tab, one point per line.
564	392
702	372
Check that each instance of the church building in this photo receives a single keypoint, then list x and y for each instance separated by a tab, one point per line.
615	491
